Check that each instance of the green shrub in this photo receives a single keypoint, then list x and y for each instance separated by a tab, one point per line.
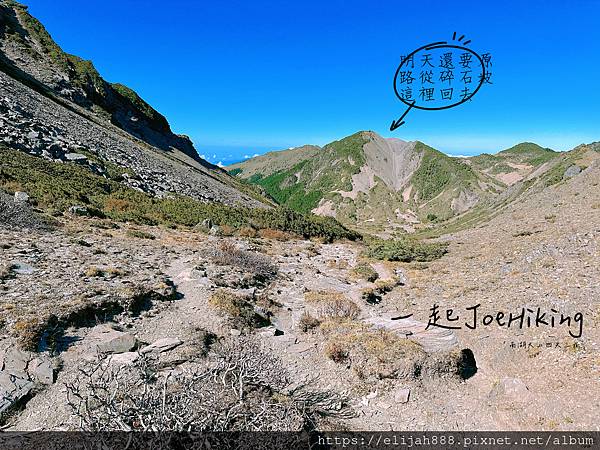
437	171
140	234
406	250
365	271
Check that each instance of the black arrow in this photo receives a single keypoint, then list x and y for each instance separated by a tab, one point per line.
396	123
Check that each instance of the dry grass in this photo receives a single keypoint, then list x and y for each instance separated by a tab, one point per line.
260	266
28	333
114	272
374	354
11	186
94	271
277	235
340	264
227	230
237	308
365	271
307	322
332	305
312	250
118	205
336	351
247	232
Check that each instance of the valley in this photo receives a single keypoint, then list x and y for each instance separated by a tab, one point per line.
370	284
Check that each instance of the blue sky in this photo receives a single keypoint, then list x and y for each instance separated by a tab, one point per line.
241	78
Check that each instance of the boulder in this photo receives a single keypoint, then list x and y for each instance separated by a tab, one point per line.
12	389
512	389
162	345
124	359
41	370
76	157
117	342
78	210
20	268
271	331
21	197
571	172
434	339
402	395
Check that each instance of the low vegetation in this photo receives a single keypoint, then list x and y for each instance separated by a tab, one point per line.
239	387
56	187
302	186
260	266
237	308
373	354
365	271
437	171
406	250
331	305
140	234
374	295
308	322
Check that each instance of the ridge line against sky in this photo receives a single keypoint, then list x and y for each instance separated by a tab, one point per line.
243	78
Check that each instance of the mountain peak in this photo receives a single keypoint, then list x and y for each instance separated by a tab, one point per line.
526	147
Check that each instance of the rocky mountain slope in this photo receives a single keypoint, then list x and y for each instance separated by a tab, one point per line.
300	316
514	164
57	106
383	185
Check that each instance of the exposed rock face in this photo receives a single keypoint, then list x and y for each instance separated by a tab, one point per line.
19	372
393	160
433	339
572	171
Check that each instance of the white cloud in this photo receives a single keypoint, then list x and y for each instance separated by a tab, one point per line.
203	156
246	157
220	164
255	155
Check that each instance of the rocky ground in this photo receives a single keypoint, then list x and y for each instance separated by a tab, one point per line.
115	289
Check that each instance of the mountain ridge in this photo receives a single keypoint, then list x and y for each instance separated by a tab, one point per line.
387	184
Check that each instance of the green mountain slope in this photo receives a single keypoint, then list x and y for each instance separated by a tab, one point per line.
300	178
369	182
513	164
386	185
